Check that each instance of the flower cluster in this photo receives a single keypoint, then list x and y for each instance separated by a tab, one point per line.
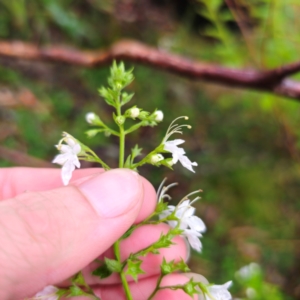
181	218
191	225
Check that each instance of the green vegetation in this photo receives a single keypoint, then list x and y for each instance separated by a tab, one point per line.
246	143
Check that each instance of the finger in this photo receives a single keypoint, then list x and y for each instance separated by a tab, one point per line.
48	236
140	239
14	181
143	289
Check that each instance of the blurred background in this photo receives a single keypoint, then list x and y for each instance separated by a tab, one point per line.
246	143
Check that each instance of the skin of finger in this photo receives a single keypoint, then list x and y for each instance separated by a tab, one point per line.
140	239
43	231
143	289
14	181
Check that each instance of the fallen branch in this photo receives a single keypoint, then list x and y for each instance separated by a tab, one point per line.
274	80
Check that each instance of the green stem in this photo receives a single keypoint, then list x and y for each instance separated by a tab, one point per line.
122	275
157	287
122	147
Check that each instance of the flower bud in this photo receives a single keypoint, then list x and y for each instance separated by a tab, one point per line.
159	116
134	112
120	120
156	158
90	117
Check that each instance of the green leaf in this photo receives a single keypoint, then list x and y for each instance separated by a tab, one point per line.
113	265
161	206
182	266
102	271
128	162
136	151
167	267
190	288
163	242
126	98
134	269
75	291
78	279
109	95
92	132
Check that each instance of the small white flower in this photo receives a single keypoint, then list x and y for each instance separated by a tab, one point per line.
156	158
159	116
179	154
134	112
249	271
68	157
220	292
90	117
191	225
48	293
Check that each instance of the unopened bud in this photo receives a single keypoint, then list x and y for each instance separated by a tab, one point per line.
120	120
134	112
156	158
159	116
90	117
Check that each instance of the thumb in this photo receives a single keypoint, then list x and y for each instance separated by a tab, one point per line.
48	236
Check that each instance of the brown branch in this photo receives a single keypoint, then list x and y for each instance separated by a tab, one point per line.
22	159
274	80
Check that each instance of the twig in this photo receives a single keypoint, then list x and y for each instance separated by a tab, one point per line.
274	80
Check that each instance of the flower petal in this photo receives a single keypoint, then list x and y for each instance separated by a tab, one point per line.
187	163
195	223
193	239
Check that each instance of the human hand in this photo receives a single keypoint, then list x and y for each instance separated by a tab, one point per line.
49	232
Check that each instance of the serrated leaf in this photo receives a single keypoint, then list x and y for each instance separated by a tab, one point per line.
136	151
190	288
167	267
161	206
109	95
102	271
182	266
134	269
78	279
126	98
163	242
113	265
75	291
128	162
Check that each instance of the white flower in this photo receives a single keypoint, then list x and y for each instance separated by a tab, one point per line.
159	116
90	117
191	225
134	112
48	293
249	271
179	154
220	292
156	158
68	157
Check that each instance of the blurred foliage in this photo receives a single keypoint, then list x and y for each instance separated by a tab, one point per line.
246	143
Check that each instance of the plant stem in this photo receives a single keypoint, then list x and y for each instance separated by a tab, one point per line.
122	147
121	165
157	287
121	135
122	275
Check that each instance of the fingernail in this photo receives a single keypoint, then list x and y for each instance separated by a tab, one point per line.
113	192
